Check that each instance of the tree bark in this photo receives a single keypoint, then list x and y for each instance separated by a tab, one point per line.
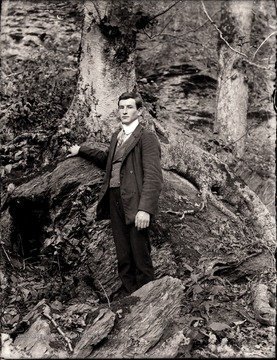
106	67
232	90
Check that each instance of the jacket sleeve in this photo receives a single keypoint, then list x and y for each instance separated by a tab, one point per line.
152	173
95	155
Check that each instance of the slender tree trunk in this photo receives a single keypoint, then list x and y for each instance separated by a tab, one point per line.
232	91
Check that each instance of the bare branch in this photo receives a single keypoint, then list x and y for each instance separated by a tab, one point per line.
220	32
144	31
109	304
265	40
166	10
49	317
200	26
182	37
13	74
97	10
257	65
5	252
156	35
229	46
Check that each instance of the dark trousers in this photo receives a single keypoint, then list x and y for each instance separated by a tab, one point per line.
133	249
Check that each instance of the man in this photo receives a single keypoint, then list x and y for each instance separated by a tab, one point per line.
130	190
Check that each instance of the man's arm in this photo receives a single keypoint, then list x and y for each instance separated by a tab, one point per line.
95	155
152	180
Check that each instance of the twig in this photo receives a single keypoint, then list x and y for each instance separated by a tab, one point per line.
229	46
164	11
200	26
13	74
59	330
22	249
6	254
157	15
211	354
149	36
231	143
156	35
246	316
257	65
179	213
220	32
109	304
274	32
98	12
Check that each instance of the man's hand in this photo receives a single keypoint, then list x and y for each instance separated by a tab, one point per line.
74	150
142	220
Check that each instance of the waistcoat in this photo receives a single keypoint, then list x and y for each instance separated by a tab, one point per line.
116	163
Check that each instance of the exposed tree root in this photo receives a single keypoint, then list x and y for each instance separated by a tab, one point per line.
264	312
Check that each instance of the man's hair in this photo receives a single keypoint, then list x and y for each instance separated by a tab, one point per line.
131	95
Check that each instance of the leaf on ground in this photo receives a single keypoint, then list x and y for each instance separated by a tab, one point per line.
26	294
197	289
239	322
194	277
218	289
189	268
218	326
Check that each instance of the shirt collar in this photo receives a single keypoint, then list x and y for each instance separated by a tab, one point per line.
128	129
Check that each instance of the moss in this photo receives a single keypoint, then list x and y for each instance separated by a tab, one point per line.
227	27
122	45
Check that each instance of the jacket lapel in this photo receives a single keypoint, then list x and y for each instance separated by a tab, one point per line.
112	149
130	144
136	135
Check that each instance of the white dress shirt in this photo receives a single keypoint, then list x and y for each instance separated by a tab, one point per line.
126	131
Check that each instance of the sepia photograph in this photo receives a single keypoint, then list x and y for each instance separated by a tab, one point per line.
138	179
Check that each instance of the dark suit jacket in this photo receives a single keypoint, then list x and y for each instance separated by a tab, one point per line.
140	173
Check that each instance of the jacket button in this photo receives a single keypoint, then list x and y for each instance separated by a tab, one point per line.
131	171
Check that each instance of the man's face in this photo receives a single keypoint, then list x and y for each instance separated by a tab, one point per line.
128	111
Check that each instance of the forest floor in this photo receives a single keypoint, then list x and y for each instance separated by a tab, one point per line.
217	305
225	304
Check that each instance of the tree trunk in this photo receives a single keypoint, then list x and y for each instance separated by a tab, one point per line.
106	67
232	90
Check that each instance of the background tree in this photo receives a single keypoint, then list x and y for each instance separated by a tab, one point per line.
232	89
107	62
